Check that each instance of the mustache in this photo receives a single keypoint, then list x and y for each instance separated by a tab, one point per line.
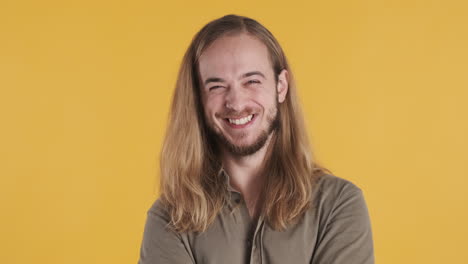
229	113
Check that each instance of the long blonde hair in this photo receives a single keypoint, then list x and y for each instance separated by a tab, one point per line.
191	189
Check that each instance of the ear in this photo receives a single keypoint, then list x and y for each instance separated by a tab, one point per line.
282	85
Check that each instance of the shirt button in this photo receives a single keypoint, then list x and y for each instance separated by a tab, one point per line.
237	200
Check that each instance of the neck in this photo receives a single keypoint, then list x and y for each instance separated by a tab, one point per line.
245	171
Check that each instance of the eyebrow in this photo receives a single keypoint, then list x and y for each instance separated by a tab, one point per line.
248	74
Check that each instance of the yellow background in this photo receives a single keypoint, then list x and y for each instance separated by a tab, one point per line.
85	88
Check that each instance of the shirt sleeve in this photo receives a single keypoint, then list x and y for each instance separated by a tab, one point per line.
347	236
160	245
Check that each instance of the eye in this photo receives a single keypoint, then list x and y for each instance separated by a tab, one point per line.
214	87
253	82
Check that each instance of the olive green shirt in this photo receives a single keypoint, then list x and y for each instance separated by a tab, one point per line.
335	230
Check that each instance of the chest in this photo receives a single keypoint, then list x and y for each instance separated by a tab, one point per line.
235	238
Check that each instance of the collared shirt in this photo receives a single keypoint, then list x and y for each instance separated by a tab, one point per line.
335	230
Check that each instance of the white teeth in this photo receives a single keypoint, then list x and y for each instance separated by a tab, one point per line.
241	121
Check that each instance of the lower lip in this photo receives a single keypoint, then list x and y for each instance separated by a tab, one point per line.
241	126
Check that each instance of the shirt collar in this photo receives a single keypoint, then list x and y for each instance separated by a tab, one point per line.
222	173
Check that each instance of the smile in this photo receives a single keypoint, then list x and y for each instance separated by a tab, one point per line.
240	122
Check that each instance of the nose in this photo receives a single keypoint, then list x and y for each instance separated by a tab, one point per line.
235	98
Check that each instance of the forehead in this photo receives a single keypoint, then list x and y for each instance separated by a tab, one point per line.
231	56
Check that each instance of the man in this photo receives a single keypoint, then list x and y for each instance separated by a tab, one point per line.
239	183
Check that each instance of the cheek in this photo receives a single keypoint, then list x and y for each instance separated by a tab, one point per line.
265	93
211	109
268	100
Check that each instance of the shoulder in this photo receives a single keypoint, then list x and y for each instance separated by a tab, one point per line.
158	222
331	191
160	243
329	184
343	223
159	210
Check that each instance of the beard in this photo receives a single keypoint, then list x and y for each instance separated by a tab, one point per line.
273	124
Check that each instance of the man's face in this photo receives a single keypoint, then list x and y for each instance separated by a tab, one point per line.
239	93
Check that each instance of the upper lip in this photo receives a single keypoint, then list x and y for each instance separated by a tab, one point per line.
237	117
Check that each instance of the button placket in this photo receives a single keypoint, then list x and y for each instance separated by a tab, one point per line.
235	200
256	249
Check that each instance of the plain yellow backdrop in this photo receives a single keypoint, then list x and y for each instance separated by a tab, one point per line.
85	88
